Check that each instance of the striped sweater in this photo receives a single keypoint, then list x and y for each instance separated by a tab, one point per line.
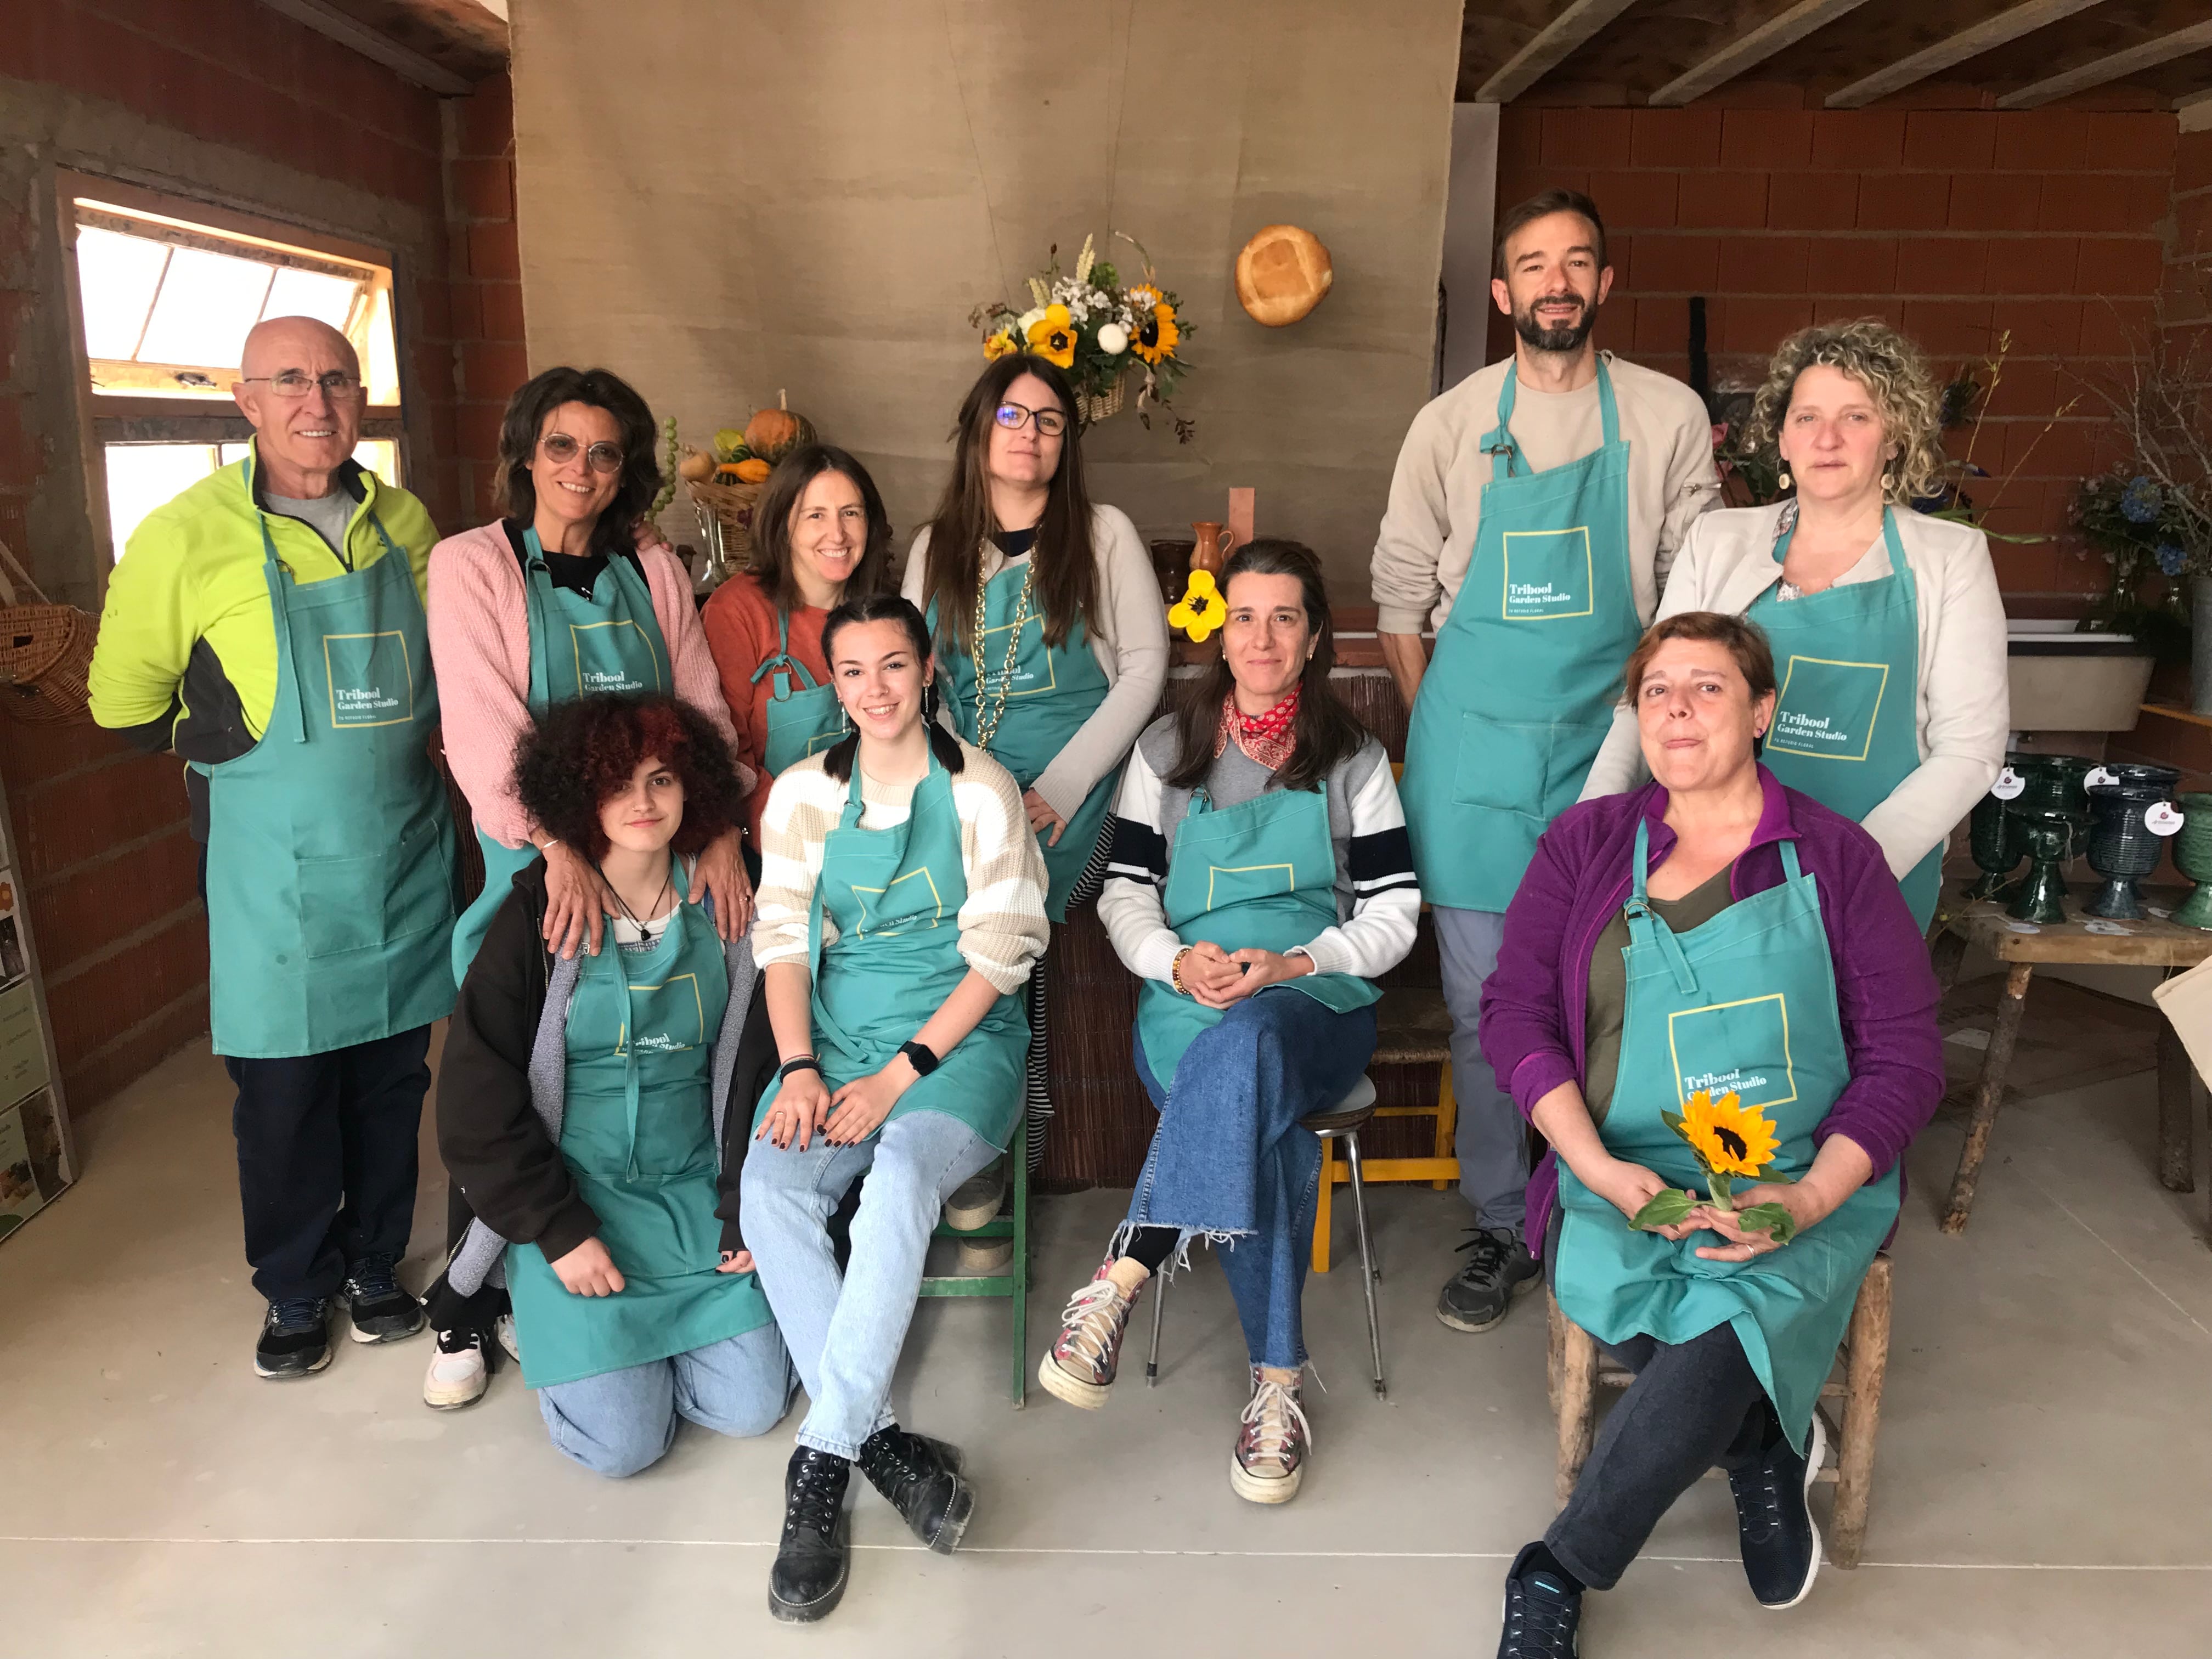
1378	901
1003	929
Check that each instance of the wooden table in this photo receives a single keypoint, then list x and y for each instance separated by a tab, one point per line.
2022	946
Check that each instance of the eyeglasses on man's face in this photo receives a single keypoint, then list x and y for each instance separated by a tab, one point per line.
1050	423
561	449
337	386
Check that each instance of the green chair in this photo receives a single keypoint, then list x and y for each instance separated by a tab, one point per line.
1014	1282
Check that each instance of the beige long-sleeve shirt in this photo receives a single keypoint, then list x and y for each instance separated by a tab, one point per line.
1128	636
1964	715
1428	529
1002	923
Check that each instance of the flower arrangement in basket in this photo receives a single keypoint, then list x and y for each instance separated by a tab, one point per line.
1102	333
1727	1138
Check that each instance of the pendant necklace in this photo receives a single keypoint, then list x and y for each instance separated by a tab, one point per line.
646	937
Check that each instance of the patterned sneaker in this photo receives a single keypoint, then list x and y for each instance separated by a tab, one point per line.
1080	1367
1271	1451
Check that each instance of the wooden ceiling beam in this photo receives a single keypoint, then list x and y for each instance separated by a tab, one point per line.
402	61
1548	49
2010	25
1753	49
2095	73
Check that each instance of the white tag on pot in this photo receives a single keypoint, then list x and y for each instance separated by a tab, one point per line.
2008	785
2098	778
2164	818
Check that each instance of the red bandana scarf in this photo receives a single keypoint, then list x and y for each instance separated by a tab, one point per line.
1266	737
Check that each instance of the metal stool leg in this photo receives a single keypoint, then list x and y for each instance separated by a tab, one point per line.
1159	1306
1369	1271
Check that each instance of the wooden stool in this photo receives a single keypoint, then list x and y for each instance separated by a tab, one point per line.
1412	1028
1578	1369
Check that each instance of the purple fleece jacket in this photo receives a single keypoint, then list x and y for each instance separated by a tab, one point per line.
1533	1005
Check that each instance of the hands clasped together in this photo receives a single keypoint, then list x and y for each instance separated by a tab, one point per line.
1215	978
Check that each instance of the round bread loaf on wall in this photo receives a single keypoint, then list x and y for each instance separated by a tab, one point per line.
1282	274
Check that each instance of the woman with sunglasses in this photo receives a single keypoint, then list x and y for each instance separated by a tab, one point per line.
570	592
1051	641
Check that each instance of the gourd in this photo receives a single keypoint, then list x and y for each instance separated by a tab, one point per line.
772	433
753	469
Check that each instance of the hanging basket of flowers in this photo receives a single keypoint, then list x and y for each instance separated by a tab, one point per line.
1101	333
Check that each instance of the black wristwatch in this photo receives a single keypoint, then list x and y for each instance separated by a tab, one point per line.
802	1063
919	1056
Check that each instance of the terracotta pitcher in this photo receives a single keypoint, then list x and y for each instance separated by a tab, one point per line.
1216	541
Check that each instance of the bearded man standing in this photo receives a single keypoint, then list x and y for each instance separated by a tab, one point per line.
1535	510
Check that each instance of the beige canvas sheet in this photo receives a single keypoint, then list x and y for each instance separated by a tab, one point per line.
718	200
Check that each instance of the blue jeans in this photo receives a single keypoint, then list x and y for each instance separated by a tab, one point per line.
1230	1160
846	1333
621	1421
1491	1140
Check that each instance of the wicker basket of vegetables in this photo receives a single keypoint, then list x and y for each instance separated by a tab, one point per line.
726	484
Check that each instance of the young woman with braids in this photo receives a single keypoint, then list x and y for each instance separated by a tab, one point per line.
902	908
1261	881
1051	641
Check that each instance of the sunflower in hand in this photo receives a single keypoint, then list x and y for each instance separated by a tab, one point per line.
1727	1138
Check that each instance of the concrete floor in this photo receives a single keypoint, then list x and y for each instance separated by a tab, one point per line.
2041	1485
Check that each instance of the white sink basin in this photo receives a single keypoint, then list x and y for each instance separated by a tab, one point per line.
2064	681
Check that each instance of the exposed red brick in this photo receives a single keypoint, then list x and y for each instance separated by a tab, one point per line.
1775	140
2033	264
2091	201
1995	200
502	303
2192	161
493	252
492	369
2027	387
1942	264
1677	265
1768	264
2043	140
1852	265
32	752
1951	141
2039	327
90	909
106	1073
22	457
1849	307
2112	325
476	427
1858	139
1675	138
1904	201
1715	200
2116	264
1947	328
1813	201
1520	138
487	123
1759	325
2130	139
486	189
91	1005
1635	201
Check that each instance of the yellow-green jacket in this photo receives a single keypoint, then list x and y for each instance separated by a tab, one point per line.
186	656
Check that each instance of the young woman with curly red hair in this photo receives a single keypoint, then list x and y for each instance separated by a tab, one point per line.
581	1099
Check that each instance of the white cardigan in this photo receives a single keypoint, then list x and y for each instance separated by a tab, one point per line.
1965	717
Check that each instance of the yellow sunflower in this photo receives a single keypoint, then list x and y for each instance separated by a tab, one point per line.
1000	345
1201	609
1157	332
1729	1138
1052	337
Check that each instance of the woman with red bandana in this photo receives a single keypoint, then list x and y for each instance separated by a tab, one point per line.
1259	882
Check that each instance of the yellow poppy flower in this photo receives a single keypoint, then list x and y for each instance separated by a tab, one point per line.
999	344
1728	1137
1052	337
1201	609
1157	332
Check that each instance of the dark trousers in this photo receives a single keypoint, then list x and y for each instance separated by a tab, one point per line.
1693	1405
326	1159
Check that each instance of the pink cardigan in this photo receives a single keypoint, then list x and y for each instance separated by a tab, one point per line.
480	649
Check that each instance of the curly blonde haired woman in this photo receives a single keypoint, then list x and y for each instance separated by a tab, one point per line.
1886	623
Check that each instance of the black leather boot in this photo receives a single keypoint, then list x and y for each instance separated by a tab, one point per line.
920	1479
816	1552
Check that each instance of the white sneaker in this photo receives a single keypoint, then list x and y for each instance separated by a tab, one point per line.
458	1375
505	1326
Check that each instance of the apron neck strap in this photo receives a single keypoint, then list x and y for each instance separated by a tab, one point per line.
1498	443
1789	866
783	661
1889	539
1645	927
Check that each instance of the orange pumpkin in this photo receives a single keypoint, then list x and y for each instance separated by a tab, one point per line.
775	433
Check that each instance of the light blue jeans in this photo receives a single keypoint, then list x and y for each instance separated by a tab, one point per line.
846	1333
619	1422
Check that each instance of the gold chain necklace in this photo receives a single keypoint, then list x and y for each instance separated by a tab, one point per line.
987	724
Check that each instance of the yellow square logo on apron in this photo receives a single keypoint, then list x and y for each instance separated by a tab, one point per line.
1828	709
370	679
594	676
683	1021
1234	885
1548	574
877	919
1031	674
1733	1048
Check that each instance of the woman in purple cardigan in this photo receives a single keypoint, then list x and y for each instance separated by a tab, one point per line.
1721	953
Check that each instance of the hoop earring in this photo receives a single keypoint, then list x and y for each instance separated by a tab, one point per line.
1888	483
1783	482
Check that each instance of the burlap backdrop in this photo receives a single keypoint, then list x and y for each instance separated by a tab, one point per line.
720	199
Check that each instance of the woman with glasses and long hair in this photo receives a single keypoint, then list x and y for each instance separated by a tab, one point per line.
1051	641
1260	882
569	593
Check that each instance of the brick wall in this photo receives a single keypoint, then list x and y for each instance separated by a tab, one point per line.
229	102
1956	226
485	267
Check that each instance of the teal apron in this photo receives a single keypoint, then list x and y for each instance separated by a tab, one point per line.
1043	703
894	896
1745	1004
1829	738
638	1135
1528	665
610	641
802	721
330	847
1258	876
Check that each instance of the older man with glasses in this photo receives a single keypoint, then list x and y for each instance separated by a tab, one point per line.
267	625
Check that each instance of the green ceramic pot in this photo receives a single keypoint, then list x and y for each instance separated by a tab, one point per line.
2192	856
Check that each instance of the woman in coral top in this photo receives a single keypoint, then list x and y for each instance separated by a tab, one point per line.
820	535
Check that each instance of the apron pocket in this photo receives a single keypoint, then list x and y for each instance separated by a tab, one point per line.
359	904
1520	766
